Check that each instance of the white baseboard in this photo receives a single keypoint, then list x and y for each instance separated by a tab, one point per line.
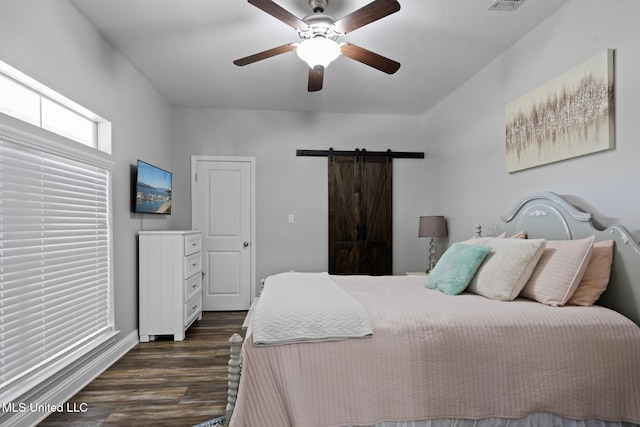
71	384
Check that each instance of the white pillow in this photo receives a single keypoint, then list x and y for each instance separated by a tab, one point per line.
559	271
506	268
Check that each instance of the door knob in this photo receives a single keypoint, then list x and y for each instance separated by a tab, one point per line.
245	244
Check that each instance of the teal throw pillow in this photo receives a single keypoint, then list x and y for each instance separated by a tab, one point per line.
456	268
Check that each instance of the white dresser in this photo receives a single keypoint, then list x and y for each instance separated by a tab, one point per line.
170	282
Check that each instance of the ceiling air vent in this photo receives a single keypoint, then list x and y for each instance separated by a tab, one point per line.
505	5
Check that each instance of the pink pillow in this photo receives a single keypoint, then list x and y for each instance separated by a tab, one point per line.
596	277
519	235
559	271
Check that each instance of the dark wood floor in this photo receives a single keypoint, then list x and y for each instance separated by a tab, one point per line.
161	383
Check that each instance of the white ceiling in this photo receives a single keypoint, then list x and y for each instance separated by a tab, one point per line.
186	48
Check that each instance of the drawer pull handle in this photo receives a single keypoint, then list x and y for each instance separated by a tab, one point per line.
195	264
194	307
195	285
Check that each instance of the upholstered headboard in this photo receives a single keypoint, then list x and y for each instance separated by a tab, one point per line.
548	215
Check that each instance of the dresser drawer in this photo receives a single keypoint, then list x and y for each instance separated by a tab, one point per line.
192	309
192	286
192	265
192	244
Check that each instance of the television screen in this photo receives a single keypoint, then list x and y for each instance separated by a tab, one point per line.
153	189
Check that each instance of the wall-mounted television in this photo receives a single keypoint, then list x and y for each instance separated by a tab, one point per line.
153	190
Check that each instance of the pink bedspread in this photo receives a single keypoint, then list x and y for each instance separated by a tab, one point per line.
438	356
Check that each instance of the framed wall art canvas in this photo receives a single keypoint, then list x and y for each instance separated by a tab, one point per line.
571	115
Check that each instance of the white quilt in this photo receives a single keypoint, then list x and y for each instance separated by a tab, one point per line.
307	307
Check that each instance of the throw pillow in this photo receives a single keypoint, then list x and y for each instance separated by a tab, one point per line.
456	268
596	277
559	271
507	267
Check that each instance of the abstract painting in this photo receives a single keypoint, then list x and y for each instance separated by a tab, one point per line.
571	115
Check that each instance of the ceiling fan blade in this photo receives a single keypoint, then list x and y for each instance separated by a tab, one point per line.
365	15
369	58
265	54
280	13
316	76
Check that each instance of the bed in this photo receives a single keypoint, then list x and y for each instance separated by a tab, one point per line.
437	357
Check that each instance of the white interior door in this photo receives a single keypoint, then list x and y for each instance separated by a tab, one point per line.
223	211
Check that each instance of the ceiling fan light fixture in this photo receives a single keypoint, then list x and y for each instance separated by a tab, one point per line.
318	51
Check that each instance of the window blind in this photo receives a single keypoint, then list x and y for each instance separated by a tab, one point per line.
55	262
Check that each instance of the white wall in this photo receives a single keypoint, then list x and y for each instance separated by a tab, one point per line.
464	134
287	184
52	43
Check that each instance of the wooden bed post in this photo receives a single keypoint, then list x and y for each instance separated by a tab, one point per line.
234	375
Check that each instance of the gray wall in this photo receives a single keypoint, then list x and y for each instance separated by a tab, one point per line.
286	184
52	43
464	135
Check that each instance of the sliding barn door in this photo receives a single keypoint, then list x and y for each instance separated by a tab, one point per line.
360	214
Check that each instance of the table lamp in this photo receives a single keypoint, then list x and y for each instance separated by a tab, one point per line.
432	226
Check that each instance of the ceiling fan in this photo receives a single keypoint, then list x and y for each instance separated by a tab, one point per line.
319	32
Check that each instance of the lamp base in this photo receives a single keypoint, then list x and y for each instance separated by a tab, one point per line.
432	256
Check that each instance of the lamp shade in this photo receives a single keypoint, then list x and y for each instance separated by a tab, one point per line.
432	226
318	51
